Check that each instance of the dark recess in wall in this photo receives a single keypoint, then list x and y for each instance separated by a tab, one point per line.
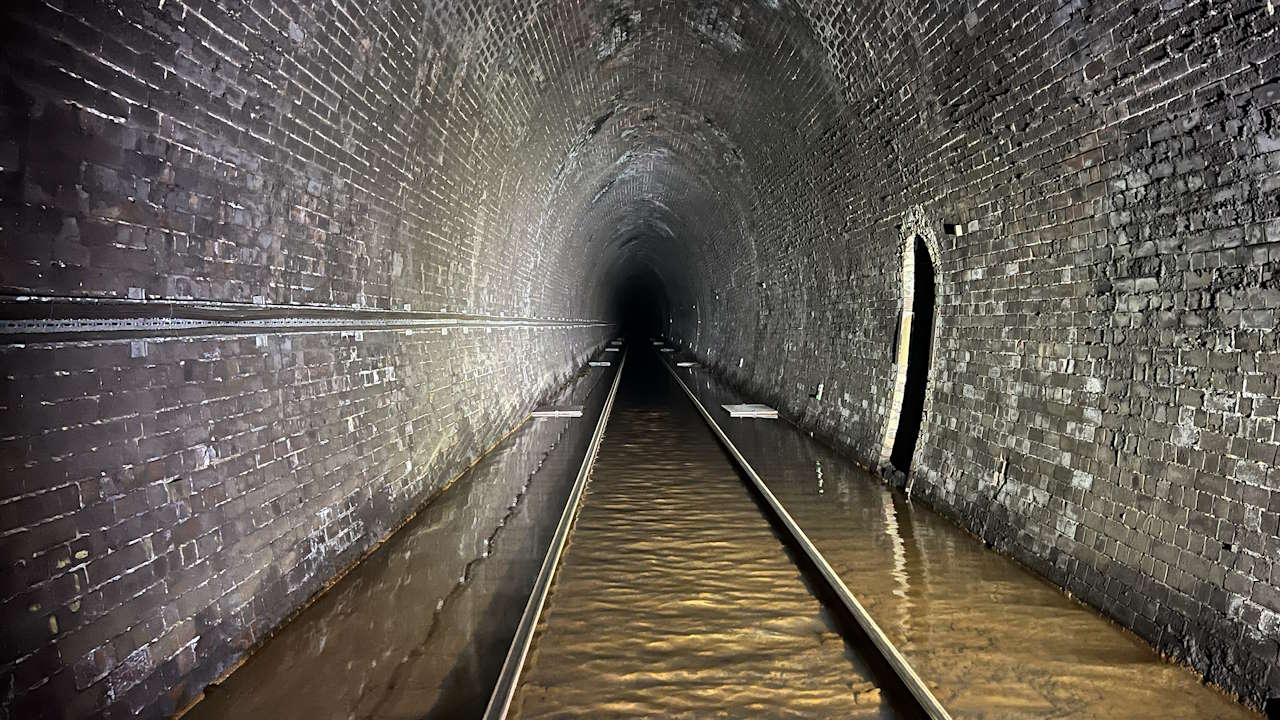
918	353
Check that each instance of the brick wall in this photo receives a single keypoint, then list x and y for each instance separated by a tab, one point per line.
173	491
1103	399
174	507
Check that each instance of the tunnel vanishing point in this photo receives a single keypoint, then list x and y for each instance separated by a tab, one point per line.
275	272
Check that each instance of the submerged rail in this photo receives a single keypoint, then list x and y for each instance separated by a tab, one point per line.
900	671
509	677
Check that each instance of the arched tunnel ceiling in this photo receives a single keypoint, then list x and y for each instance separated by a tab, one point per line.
472	157
651	140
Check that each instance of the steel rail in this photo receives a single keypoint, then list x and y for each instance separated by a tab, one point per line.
915	688
509	677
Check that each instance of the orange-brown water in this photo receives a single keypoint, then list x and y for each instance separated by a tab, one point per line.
421	627
674	597
702	614
990	638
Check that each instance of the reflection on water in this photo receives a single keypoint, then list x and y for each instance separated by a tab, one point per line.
421	627
991	639
675	598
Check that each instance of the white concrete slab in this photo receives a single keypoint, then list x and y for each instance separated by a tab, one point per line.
751	410
558	411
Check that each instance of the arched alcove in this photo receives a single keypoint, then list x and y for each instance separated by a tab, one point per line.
913	356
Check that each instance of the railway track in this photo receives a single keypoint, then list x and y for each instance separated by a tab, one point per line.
678	573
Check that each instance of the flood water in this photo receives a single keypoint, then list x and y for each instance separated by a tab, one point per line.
990	638
421	627
674	597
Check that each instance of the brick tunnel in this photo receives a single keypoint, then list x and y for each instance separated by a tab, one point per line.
282	282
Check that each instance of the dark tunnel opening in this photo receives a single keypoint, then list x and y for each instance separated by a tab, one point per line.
639	305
